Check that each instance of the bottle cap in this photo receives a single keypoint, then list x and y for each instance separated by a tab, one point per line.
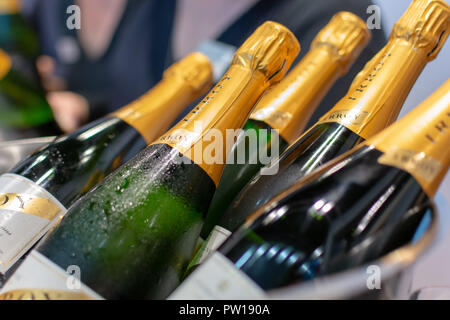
271	49
5	63
195	69
346	34
425	24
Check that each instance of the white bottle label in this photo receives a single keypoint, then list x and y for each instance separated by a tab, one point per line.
216	238
27	211
38	278
218	279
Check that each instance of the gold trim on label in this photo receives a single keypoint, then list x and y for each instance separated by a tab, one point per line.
411	161
29	204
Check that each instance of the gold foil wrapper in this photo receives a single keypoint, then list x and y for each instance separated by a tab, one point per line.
419	143
5	63
425	24
9	6
263	59
183	82
347	35
195	69
289	105
271	49
380	89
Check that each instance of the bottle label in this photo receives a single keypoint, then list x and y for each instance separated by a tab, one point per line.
38	278
218	279
216	238
27	212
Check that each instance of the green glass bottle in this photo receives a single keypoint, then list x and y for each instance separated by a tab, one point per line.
373	101
348	213
37	191
285	109
133	235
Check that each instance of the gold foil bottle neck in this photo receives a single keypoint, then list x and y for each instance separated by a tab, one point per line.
195	69
5	63
347	35
271	49
9	6
425	24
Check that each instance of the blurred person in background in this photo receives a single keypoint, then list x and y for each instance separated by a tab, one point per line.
123	46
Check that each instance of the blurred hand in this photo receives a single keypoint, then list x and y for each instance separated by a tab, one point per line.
70	110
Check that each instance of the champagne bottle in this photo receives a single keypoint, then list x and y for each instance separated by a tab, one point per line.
22	104
133	235
283	112
350	211
372	103
34	195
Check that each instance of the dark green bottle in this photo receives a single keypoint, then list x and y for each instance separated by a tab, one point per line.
37	191
287	107
351	211
373	102
133	235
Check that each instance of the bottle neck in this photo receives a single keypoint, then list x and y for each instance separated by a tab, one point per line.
419	142
288	106
152	114
377	94
203	135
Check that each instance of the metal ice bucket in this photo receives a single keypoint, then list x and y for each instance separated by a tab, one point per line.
12	152
395	270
